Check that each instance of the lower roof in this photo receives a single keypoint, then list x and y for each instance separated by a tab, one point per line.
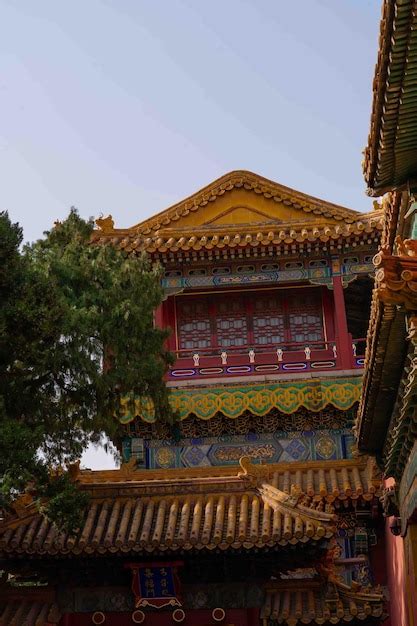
28	612
148	511
291	602
308	602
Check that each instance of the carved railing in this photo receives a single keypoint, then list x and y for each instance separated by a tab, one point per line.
275	358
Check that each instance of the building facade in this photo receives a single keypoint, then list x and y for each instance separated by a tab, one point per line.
252	508
386	425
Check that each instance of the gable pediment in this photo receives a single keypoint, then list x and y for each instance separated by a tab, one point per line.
242	208
238	214
244	199
247	207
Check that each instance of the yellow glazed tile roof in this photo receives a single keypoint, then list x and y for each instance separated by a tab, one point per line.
390	156
28	613
384	420
242	210
306	602
144	511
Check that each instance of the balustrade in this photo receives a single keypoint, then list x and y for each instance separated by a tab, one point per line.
281	358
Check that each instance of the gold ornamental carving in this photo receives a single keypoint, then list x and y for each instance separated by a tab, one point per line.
105	224
396	276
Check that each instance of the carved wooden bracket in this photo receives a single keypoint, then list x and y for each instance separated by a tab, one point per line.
396	276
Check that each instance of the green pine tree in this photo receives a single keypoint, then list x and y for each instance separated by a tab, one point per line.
76	336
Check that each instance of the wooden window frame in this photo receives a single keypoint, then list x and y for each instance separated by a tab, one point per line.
247	298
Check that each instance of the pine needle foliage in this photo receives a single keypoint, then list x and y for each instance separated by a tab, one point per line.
76	336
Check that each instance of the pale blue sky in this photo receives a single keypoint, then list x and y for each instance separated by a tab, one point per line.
127	106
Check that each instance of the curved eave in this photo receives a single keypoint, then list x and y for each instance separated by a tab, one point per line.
171	523
144	512
382	373
321	602
391	154
366	229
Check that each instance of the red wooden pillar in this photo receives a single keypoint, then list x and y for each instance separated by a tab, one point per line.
163	318
253	616
343	340
158	316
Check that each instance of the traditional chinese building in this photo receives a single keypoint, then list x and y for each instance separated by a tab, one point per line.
252	509
387	426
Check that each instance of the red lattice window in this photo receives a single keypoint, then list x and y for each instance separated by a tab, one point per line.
265	318
268	320
194	327
231	322
305	318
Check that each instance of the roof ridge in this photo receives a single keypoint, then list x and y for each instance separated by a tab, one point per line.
236	179
129	473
